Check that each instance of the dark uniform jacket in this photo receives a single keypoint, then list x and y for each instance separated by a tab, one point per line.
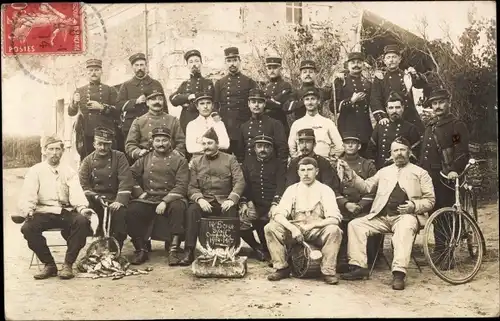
281	92
327	175
453	140
265	182
394	81
231	98
139	136
379	147
364	168
262	125
354	117
216	178
195	83
128	94
297	106
108	176
162	177
91	119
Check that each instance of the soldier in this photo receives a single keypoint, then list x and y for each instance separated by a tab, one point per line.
138	139
106	173
399	81
306	145
132	93
164	176
351	202
231	96
184	96
445	148
207	119
328	139
308	78
353	100
97	104
215	187
279	92
265	183
383	135
261	124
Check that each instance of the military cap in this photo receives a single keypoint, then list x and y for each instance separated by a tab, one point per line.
263	139
104	134
307	64
350	135
153	93
313	91
137	56
394	96
231	52
273	61
392	48
51	139
437	93
356	55
402	140
161	131
306	133
256	93
211	134
93	63
190	53
203	95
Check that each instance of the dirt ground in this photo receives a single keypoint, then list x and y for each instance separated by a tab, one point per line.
173	292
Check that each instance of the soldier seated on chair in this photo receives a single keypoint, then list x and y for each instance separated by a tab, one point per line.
53	198
306	212
404	193
351	202
106	173
164	176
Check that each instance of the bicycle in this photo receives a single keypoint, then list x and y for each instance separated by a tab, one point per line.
459	258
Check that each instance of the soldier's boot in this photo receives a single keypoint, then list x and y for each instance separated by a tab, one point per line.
173	255
140	254
188	257
49	270
356	273
398	280
280	274
148	247
66	272
249	238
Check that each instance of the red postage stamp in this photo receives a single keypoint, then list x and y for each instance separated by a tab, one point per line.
42	28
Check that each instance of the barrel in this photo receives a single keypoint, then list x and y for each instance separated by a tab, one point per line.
219	232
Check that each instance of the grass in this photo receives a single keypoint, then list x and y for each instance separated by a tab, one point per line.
20	151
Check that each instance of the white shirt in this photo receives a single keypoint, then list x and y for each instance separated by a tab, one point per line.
325	131
199	126
48	189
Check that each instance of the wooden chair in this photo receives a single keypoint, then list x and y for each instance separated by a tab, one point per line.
34	257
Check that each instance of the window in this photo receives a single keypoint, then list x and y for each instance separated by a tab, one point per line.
294	12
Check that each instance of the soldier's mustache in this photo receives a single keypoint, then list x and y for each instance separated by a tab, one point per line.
157	105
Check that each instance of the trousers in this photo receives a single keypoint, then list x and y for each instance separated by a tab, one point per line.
328	238
140	215
75	229
404	227
118	220
372	244
248	220
194	215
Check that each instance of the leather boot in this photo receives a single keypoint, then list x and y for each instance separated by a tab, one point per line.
173	255
331	279
140	255
149	247
398	280
49	270
188	257
280	274
66	272
249	238
356	273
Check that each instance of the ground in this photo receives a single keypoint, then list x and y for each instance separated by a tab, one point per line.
173	292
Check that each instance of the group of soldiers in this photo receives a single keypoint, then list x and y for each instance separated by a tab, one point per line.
232	153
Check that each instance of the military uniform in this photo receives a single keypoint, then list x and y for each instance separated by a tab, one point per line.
394	81
379	147
141	130
130	91
280	92
231	98
90	119
261	124
195	84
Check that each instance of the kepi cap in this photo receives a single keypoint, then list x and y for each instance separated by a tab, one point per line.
263	139
256	93
190	53
356	55
273	61
137	56
306	133
311	92
161	131
392	48
350	135
153	93
307	64
203	95
231	52
104	134
93	63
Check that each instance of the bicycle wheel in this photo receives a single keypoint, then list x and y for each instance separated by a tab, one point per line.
455	233
470	206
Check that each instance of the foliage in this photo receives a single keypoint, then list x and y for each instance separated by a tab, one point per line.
21	151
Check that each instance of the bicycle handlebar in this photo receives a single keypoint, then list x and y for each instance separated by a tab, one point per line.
472	162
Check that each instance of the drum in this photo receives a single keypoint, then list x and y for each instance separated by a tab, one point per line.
219	232
305	260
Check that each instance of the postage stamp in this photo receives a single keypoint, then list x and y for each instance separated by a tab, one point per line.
42	28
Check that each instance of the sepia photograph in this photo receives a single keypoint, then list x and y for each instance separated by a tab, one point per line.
245	160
